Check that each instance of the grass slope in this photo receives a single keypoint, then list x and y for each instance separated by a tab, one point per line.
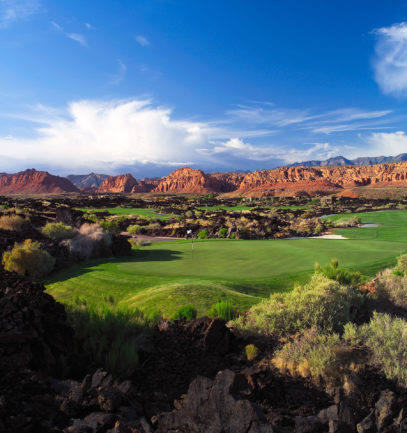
165	276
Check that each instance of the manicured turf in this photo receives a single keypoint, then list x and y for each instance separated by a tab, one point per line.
167	275
149	213
244	207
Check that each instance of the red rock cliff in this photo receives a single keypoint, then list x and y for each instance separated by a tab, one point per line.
124	183
325	178
34	182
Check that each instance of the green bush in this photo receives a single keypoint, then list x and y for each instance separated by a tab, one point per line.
334	272
385	338
134	229
322	304
58	231
11	222
203	234
111	226
186	312
106	335
29	259
224	310
392	286
223	232
401	267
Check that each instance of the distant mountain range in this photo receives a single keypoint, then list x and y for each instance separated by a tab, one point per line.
92	180
341	160
330	176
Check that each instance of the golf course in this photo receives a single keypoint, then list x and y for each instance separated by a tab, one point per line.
164	276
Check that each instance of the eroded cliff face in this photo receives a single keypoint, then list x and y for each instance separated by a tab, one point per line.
124	183
188	180
325	178
34	182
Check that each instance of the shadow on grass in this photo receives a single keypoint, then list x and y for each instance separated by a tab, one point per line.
81	268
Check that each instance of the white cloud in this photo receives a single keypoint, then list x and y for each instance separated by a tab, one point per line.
344	119
390	63
385	143
89	26
108	135
142	40
77	38
15	10
56	26
120	74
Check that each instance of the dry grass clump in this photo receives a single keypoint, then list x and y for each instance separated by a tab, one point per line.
12	222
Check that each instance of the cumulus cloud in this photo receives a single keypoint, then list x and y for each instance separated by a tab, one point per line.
110	135
142	40
15	10
386	143
390	63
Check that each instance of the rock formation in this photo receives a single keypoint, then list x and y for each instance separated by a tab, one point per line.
324	179
124	183
34	182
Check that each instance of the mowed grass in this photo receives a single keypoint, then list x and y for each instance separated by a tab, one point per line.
149	213
166	276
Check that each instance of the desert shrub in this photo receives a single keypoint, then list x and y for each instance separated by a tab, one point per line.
139	242
106	335
91	217
251	351
153	226
28	258
224	310
111	226
385	337
91	241
223	232
189	214
134	229
334	272
322	304
203	234
392	286
58	231
186	312
312	354
11	222
348	222
401	266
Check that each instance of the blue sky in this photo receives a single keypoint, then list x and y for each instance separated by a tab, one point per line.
149	86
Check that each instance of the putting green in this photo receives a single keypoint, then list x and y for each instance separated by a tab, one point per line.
166	275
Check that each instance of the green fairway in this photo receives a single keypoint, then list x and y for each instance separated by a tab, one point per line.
165	276
149	213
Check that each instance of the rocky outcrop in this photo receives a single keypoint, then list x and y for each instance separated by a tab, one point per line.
124	183
213	406
34	182
324	179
